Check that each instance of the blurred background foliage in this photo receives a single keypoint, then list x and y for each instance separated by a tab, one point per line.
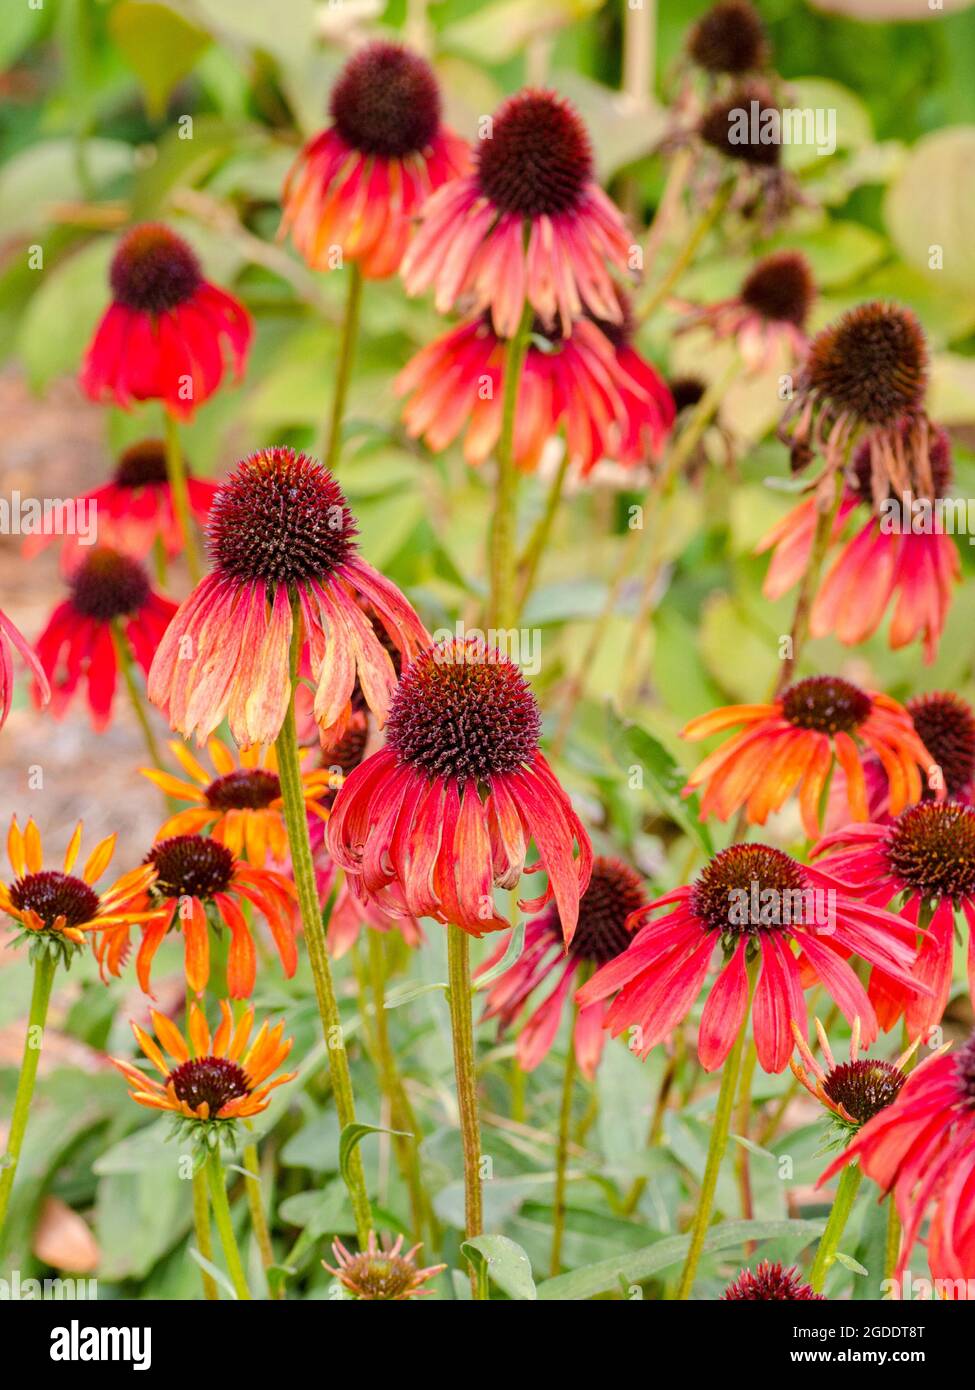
191	111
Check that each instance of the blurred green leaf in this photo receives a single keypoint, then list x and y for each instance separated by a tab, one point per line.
631	746
159	45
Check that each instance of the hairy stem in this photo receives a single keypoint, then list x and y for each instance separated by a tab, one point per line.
462	1030
45	967
343	369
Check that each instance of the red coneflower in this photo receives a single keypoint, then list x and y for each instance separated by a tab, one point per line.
359	185
135	510
922	1149
757	904
771	1283
165	334
610	402
375	1273
888	559
854	1091
56	906
603	931
793	741
767	316
11	639
444	812
926	859
729	38
198	881
867	372
240	804
108	592
279	532
530	223
210	1081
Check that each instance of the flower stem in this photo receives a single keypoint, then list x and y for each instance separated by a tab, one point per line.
501	602
204	1241
255	1201
296	821
688	250
893	1238
343	370
179	488
530	560
45	967
225	1227
829	1241
562	1152
807	587
462	1029
716	1152
401	1111
123	655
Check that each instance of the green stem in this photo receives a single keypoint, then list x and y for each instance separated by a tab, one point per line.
462	1030
45	967
501	603
562	1152
716	1152
179	488
123	655
296	821
204	1241
530	560
688	251
343	371
893	1238
807	587
829	1241
401	1112
255	1201
217	1184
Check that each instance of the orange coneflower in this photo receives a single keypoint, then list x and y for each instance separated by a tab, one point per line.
767	317
214	1080
56	907
854	1091
198	880
529	224
240	806
280	532
793	741
358	185
163	336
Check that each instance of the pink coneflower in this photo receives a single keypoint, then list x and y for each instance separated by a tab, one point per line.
445	811
603	932
770	1283
757	904
279	532
767	316
925	858
107	591
610	402
135	510
866	372
12	640
922	1149
887	562
530	223
165	333
792	743
359	184
376	1273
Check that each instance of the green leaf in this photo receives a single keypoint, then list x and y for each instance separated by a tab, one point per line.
514	949
633	745
494	33
214	1271
406	993
643	1264
159	45
353	1134
932	204
505	1262
848	1262
62	314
